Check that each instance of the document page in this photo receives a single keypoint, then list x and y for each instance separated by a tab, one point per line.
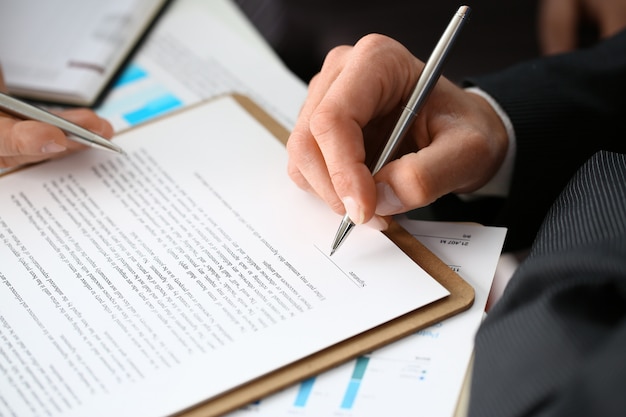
140	285
67	51
195	52
420	375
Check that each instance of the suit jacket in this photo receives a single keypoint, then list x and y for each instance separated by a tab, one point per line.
555	343
564	109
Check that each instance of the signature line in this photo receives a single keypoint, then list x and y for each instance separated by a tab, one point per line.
337	266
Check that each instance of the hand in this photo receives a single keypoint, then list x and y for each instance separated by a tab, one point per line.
351	105
560	20
28	141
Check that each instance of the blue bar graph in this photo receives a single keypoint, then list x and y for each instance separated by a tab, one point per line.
130	74
304	392
355	382
152	109
138	97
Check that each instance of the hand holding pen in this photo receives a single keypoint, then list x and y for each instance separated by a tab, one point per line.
426	81
456	142
29	134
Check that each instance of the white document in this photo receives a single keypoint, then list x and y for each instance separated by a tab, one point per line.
67	51
198	50
140	285
421	375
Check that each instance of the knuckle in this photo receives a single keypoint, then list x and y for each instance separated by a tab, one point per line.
323	122
337	54
297	177
336	206
295	142
14	143
415	186
372	41
341	179
424	187
301	151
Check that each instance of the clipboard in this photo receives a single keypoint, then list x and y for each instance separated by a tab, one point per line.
460	299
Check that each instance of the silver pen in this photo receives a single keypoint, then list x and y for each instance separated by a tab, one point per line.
74	132
426	81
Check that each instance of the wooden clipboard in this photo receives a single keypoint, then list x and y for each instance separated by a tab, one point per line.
461	298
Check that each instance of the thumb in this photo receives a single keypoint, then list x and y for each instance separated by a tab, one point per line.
3	87
410	182
419	178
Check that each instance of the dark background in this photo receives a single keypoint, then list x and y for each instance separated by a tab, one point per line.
499	33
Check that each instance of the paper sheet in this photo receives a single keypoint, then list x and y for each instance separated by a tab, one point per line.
198	51
67	51
141	285
421	375
203	36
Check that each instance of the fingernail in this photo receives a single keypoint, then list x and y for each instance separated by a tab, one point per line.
387	202
52	147
354	211
378	223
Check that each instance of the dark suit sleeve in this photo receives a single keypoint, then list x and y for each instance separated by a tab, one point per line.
554	345
563	109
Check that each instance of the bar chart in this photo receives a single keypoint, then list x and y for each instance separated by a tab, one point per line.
348	389
138	97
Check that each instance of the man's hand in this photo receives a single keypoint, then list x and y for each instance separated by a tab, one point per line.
352	104
28	141
560	21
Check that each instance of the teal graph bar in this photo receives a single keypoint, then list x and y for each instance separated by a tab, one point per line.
152	109
304	392
131	74
355	382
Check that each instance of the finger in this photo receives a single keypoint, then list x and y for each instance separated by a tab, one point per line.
27	141
460	158
29	138
305	158
306	165
558	23
609	15
3	87
417	179
337	122
89	120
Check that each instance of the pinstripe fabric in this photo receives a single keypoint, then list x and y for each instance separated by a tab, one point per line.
555	344
564	108
591	203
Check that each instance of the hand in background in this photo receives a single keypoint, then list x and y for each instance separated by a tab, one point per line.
351	105
28	141
560	21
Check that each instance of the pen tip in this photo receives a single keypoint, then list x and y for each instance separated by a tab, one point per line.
332	251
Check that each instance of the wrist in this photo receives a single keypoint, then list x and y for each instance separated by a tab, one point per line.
498	185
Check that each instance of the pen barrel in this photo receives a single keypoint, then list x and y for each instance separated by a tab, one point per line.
395	138
426	81
74	132
432	69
